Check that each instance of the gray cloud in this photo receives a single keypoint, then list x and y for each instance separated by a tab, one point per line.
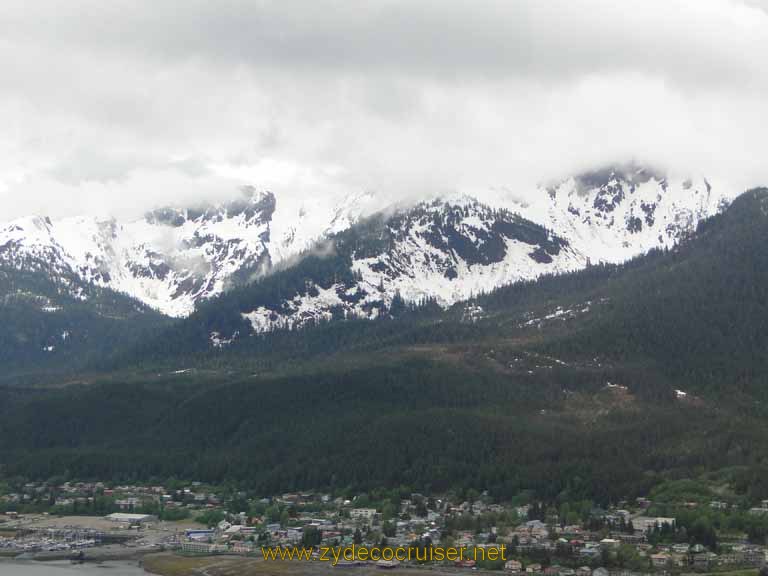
706	41
156	101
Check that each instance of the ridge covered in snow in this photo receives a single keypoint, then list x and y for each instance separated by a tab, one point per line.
446	249
437	250
617	213
174	258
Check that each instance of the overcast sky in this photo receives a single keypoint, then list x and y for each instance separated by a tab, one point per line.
113	106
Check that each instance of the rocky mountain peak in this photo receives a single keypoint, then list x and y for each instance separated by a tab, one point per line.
447	248
252	206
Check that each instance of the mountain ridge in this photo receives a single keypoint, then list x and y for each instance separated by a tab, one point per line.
174	259
598	384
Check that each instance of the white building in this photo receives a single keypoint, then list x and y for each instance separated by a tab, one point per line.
645	523
365	514
130	518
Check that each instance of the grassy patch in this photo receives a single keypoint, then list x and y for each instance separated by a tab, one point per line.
175	565
745	572
168	564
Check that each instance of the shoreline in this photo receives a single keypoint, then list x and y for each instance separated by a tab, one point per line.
104	554
98	555
9	566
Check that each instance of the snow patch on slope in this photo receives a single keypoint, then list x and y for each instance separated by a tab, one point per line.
617	213
445	252
174	258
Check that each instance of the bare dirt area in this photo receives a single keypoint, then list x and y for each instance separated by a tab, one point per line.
85	522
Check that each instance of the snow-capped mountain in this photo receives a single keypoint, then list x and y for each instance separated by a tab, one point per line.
439	250
616	213
445	249
174	258
449	250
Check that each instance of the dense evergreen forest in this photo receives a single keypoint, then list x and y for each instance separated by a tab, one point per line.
429	424
54	324
599	384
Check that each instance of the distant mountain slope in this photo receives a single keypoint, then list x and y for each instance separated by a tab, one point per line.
597	384
174	258
436	251
693	313
619	212
448	250
52	321
698	314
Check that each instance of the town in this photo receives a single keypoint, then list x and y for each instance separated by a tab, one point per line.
643	535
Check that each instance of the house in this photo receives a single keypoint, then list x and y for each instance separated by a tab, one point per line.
751	556
533	568
660	560
704	560
534	528
584	571
363	514
128	503
679	560
600	572
514	566
590	550
632	539
645	523
294	534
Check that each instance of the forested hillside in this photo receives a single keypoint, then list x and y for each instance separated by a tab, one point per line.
698	315
597	384
429	424
53	324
